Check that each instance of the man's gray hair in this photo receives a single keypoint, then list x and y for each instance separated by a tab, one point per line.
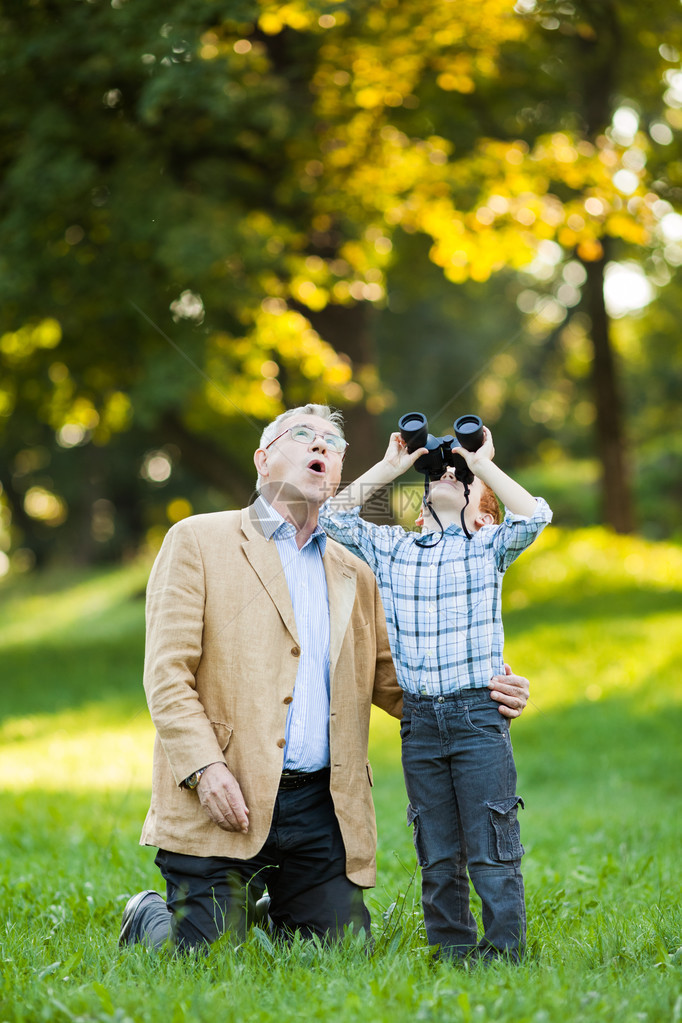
333	416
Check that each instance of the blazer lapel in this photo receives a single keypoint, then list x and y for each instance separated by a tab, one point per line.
341	586
264	558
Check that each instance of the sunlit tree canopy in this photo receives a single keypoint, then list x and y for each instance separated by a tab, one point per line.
211	211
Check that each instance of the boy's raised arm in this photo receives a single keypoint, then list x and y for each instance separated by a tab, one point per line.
512	495
395	462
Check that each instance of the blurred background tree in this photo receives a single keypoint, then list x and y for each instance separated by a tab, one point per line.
214	211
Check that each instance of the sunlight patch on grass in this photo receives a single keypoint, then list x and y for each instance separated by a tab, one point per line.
98	748
578	563
38	615
384	736
585	660
590	614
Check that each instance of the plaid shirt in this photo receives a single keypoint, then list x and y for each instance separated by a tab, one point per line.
442	603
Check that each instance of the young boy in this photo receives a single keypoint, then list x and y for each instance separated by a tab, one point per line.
441	596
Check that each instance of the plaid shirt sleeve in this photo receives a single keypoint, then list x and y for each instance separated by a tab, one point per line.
518	532
370	542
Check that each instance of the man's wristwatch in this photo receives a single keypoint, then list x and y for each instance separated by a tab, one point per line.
193	780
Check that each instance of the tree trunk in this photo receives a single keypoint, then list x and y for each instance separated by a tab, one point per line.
347	330
599	55
616	491
211	464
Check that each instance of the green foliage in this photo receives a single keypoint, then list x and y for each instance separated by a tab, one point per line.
591	618
211	211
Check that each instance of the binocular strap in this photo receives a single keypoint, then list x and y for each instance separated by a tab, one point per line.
432	512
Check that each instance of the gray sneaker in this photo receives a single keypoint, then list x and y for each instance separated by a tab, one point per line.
130	912
261	916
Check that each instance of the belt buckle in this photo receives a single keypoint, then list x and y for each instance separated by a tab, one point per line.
292	779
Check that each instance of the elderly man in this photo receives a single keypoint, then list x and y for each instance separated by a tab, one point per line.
266	646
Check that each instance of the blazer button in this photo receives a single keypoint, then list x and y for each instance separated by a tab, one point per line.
288	699
281	743
296	651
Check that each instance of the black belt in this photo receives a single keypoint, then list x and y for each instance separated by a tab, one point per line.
297	779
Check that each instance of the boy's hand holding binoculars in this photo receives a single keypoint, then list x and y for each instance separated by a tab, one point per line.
397	458
481	456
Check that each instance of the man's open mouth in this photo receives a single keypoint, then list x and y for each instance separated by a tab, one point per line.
317	466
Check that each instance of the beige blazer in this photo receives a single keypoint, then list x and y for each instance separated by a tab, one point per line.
220	666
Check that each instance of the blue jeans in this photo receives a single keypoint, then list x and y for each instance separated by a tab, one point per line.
461	782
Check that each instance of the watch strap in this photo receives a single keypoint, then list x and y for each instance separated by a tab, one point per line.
192	780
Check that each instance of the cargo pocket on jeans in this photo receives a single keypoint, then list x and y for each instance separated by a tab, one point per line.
505	831
413	819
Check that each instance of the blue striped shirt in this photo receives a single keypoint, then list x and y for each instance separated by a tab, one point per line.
442	603
307	725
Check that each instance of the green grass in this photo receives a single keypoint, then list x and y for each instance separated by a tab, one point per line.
594	620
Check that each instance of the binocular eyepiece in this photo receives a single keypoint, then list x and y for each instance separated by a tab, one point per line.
414	429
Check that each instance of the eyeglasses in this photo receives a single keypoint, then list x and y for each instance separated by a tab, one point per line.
306	435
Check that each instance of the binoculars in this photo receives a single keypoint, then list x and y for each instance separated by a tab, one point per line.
414	429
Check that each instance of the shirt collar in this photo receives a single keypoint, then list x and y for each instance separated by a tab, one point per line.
452	529
276	526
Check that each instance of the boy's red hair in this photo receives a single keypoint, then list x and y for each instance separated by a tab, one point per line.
489	505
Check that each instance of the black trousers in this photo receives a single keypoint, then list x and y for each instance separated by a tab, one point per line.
302	864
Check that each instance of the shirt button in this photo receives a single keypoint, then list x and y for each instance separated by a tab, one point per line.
288	699
441	699
295	651
431	608
281	743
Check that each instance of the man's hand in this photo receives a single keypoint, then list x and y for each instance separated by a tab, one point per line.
511	692
222	799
